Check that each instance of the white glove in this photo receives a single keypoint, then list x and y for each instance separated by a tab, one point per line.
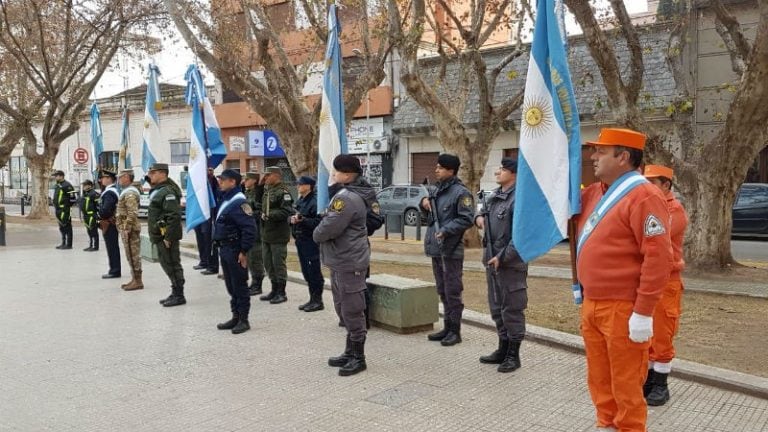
640	328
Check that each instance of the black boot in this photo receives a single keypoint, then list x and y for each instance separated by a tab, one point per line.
512	360
242	326
438	336
648	386
280	296
309	302
229	325
344	358
272	292
453	336
255	288
355	364
63	242
497	357
69	240
659	394
315	303
177	296
173	290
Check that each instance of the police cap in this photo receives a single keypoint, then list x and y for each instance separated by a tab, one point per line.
231	174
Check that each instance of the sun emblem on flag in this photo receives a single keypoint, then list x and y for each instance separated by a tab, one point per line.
193	153
324	116
537	117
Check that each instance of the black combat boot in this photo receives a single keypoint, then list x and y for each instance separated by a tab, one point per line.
344	358
177	296
255	288
173	290
280	296
63	242
453	336
512	360
648	386
356	363
309	302
229	325
438	336
242	325
659	394
497	357
272	292
69	240
315	303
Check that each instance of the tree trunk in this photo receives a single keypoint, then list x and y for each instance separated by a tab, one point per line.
41	167
473	162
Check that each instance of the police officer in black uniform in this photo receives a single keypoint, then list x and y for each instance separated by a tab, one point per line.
63	199
506	273
90	209
451	212
234	232
303	223
107	209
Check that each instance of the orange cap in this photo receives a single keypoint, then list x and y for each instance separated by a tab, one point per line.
620	137
653	171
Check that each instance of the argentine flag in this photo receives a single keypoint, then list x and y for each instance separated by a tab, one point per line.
125	160
549	162
333	139
205	149
152	146
97	139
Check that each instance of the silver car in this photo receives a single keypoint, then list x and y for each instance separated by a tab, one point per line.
404	199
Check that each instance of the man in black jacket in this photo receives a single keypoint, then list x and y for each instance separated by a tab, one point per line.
303	223
89	208
63	199
451	212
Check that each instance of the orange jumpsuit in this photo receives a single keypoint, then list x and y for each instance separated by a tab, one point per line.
666	316
622	267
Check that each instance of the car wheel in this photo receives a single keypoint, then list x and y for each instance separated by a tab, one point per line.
412	217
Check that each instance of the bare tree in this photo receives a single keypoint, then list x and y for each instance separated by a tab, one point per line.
266	59
709	168
62	48
461	31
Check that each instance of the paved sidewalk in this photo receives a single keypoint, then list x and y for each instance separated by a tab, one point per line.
79	354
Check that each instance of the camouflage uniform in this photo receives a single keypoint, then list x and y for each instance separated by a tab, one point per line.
130	231
255	260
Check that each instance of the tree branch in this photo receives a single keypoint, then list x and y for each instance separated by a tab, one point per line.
729	29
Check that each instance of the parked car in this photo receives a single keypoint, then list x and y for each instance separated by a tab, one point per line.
404	199
479	200
750	211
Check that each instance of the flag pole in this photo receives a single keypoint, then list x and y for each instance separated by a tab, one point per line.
572	239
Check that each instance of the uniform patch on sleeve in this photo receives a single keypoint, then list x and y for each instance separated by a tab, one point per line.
653	226
170	197
246	209
287	197
467	201
337	205
376	208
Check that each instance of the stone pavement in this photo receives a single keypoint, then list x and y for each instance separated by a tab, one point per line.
79	354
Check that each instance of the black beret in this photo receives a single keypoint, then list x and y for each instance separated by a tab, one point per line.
509	164
347	164
231	174
449	161
306	180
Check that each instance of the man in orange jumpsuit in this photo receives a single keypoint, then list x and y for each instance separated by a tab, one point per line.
624	261
666	316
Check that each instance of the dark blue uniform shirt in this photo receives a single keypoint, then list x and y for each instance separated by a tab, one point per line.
234	226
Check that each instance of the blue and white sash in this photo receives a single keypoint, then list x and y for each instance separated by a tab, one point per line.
618	190
225	204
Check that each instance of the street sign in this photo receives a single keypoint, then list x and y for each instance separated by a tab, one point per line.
80	168
81	155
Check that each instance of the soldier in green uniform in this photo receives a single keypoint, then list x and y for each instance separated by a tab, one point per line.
254	192
276	208
164	226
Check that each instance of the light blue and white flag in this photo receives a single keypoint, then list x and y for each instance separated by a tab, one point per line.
152	145
125	160
549	162
332	137
206	149
97	139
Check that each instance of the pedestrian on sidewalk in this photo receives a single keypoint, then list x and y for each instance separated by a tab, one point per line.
90	210
343	239
277	207
164	228
303	223
63	198
624	261
666	316
505	271
129	227
107	209
451	212
254	193
234	232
